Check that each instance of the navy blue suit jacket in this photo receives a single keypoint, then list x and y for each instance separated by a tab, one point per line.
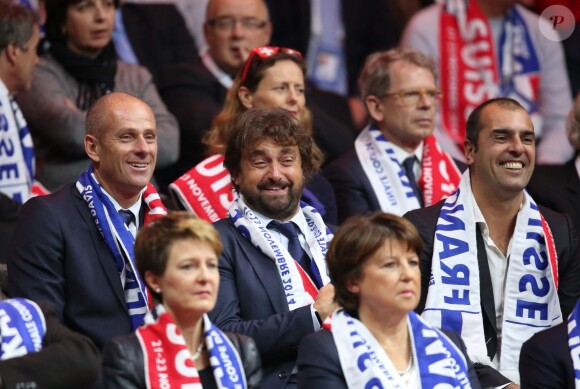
58	256
545	360
319	364
252	301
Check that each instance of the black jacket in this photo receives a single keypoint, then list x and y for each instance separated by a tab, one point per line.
124	364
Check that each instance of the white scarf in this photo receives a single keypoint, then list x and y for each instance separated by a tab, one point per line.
16	151
439	175
440	363
298	287
453	300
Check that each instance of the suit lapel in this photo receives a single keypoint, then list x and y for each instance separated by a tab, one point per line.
487	298
265	270
100	249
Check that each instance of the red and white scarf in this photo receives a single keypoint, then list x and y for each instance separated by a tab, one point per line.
206	190
168	363
471	70
439	175
531	297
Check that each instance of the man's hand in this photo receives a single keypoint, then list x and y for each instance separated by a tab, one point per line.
324	303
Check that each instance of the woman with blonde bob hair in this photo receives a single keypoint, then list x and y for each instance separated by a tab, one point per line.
177	256
376	340
272	77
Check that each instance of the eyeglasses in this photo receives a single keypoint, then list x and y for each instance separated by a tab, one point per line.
265	52
413	96
227	23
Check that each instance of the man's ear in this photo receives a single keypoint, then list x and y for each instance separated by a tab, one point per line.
92	147
246	97
469	149
11	52
375	109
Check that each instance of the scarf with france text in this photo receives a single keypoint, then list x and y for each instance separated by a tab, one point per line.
22	328
574	341
365	363
120	240
168	363
300	290
16	152
531	299
472	72
439	175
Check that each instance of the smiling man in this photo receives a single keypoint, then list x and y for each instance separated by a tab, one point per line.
74	248
396	165
274	282
497	267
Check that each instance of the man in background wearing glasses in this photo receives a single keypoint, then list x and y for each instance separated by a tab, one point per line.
195	91
396	165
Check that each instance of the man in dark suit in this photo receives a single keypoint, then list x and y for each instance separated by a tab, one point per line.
74	248
274	284
152	35
396	164
558	186
497	268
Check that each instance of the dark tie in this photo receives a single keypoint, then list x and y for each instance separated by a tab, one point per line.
408	168
290	231
127	216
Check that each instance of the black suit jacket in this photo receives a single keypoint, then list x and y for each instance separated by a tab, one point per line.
557	187
367	29
319	364
252	301
158	36
565	239
545	361
61	348
58	256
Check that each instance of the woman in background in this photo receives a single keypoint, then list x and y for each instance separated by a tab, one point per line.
272	77
376	340
177	256
79	67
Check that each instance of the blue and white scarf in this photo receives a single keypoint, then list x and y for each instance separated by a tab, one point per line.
16	150
366	364
22	328
120	241
387	177
454	301
300	291
574	341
